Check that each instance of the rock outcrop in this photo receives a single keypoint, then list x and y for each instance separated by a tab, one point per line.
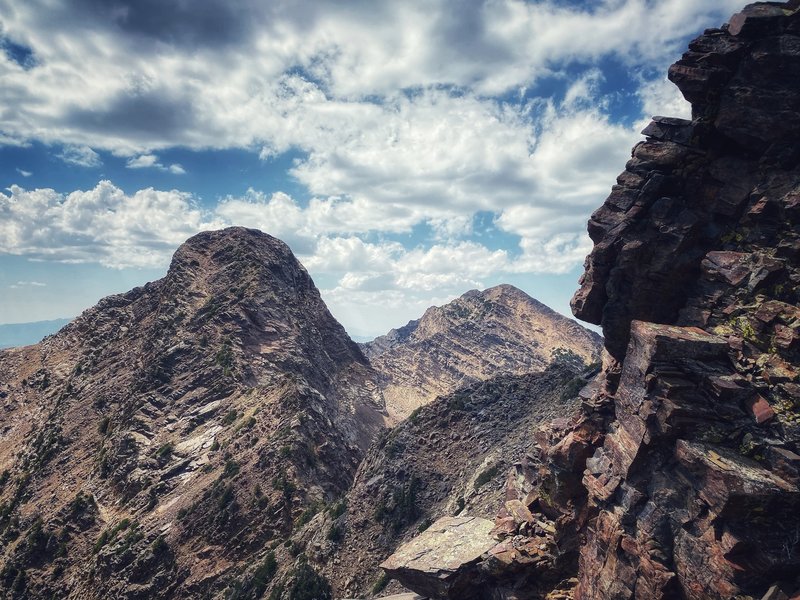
678	478
163	442
481	334
442	562
693	490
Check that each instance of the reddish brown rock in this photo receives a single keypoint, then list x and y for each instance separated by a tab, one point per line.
692	492
760	409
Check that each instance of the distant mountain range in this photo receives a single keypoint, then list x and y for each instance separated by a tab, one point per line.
23	334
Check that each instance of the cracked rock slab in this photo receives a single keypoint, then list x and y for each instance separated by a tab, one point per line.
441	562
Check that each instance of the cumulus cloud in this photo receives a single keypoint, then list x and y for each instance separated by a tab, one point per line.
409	118
102	225
23	172
139	76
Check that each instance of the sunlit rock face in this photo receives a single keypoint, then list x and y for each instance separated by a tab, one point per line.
477	336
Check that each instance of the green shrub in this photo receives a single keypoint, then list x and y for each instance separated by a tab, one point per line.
381	583
165	451
338	509
231	469
572	388
403	508
426	522
486	476
335	533
264	574
312	509
309	585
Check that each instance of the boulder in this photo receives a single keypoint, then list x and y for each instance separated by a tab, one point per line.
442	561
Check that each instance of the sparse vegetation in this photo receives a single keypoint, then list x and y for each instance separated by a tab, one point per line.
426	522
335	533
309	585
224	358
337	509
486	476
311	510
572	388
109	535
381	583
231	469
566	356
165	451
401	509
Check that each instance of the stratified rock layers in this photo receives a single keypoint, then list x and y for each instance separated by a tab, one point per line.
693	490
475	337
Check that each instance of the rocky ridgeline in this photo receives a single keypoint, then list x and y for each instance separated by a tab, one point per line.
679	477
166	442
694	278
481	334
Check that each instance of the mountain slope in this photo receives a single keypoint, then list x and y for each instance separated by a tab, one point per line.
164	440
450	457
474	337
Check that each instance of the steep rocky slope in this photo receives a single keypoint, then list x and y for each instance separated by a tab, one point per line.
166	441
474	337
678	478
694	491
450	457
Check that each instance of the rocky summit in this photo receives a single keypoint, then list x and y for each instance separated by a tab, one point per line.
474	337
162	442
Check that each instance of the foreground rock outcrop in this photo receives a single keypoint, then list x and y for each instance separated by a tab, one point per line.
481	334
693	492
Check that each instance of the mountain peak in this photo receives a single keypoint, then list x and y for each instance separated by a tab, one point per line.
472	338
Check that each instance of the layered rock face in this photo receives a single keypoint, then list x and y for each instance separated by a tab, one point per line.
500	330
160	444
693	490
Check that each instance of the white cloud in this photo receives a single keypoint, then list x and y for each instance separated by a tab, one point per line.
150	161
409	117
23	172
23	284
81	156
133	87
102	225
143	161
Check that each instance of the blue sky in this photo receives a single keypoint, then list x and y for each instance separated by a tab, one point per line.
407	152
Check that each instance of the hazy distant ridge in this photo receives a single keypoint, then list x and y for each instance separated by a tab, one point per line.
23	334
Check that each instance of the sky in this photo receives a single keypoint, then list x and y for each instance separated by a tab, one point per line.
406	151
